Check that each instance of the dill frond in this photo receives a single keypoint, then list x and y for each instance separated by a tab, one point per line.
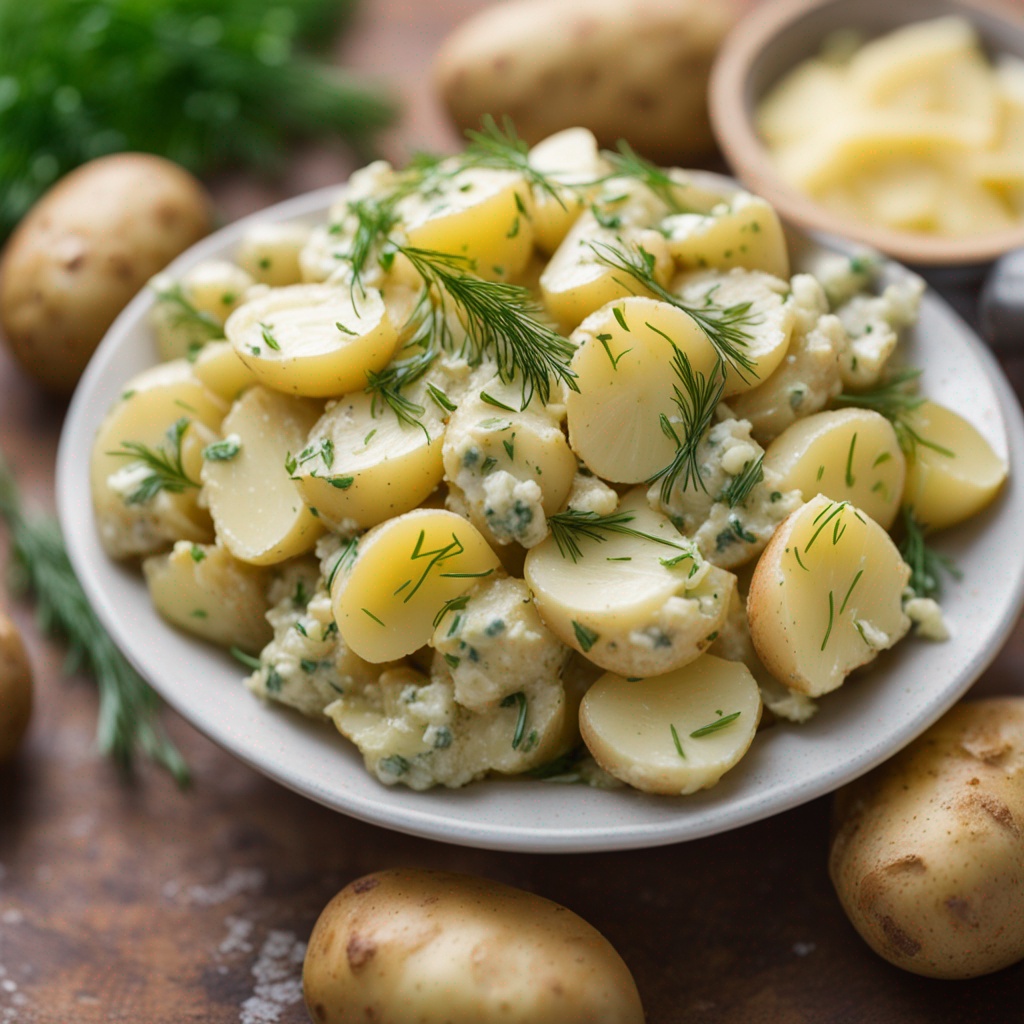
927	565
568	527
164	465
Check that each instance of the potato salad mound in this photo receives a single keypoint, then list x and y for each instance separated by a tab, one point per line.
538	461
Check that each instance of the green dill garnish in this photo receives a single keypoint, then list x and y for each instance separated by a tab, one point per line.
696	403
621	318
800	562
561	769
165	471
323	450
896	399
386	387
501	148
926	564
345	330
833	510
346	559
626	163
366	611
185	313
584	636
268	338
739	488
247	660
831	619
856	580
453	662
128	709
510	448
678	743
501	320
222	451
720	723
197	553
440	399
436	556
604	339
453	604
491	400
568	526
723	326
850	481
520	699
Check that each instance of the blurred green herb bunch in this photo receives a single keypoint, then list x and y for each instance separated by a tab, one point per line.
205	83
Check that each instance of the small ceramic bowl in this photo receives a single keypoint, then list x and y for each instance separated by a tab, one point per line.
773	39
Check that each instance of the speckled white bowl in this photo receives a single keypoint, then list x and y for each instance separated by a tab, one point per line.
859	726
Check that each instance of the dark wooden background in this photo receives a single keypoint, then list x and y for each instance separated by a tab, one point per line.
144	905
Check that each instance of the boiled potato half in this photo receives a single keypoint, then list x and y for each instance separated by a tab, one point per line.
676	733
389	589
203	590
826	596
848	455
436	948
315	340
15	689
952	473
928	856
256	506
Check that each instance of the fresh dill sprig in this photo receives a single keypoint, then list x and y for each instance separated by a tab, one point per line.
627	163
386	388
896	399
739	487
569	526
500	147
501	320
724	326
164	465
696	402
128	713
518	698
375	219
926	564
184	313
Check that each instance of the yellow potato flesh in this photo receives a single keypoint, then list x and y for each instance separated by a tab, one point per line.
745	233
257	510
480	214
954	474
624	372
205	591
848	455
641	731
380	467
405	571
826	596
219	367
314	339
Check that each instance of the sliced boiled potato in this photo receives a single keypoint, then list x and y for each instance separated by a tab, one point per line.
387	597
848	455
258	511
752	303
219	367
623	367
826	596
571	157
675	733
952	472
479	213
576	281
205	591
638	605
270	252
362	463
802	101
743	231
135	521
316	340
511	467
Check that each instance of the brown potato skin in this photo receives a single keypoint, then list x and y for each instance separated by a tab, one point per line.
636	71
424	947
15	689
927	854
89	244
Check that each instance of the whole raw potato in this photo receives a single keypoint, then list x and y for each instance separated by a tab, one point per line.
84	250
625	69
427	947
15	689
928	851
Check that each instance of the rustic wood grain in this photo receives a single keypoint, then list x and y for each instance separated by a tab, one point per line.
139	904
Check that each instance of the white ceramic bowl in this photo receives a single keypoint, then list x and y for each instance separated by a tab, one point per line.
859	726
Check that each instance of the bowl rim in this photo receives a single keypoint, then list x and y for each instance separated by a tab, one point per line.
744	150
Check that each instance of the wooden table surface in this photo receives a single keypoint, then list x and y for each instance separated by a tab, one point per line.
145	905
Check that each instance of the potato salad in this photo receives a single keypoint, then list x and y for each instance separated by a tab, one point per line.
538	461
